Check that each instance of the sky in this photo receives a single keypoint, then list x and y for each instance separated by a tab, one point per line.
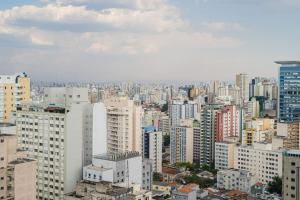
147	40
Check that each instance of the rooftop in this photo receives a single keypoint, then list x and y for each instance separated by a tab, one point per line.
288	62
6	125
117	156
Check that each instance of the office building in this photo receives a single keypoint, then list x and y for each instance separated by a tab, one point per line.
289	91
261	160
124	125
291	175
152	147
17	171
14	90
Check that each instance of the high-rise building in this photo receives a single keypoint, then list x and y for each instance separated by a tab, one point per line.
94	131
228	123
14	90
224	155
152	147
124	125
253	108
204	133
182	110
17	171
181	148
242	81
289	91
291	175
261	160
53	135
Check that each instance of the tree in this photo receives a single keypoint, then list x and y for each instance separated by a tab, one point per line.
202	182
165	108
275	186
166	140
157	176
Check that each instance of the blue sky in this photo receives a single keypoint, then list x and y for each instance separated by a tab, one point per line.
190	40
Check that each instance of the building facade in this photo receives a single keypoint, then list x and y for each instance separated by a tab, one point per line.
17	171
124	125
14	90
289	91
291	175
152	147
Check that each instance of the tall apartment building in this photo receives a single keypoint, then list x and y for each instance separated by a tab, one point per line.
253	108
242	81
291	175
124	125
288	135
164	124
224	155
289	90
261	160
234	179
53	135
17	171
228	122
181	148
179	110
205	133
14	90
152	147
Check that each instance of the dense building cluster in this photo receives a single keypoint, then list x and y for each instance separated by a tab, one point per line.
216	140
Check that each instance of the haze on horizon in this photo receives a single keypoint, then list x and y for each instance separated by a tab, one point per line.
111	40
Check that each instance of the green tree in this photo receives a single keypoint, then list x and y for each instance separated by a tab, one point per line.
275	186
166	140
165	108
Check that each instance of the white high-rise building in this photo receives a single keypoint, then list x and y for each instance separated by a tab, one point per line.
94	131
261	160
53	134
124	125
242	81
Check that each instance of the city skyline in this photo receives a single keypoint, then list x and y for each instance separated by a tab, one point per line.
139	40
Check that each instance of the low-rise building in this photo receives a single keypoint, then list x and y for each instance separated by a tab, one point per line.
186	192
234	179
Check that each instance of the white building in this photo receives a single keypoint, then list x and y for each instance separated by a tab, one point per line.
242	81
260	159
123	169
124	125
234	179
94	131
53	135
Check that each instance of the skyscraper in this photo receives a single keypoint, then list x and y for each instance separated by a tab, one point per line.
14	90
289	91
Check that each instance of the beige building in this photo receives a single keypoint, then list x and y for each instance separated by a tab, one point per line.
224	155
291	175
288	135
14	90
17	172
124	125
